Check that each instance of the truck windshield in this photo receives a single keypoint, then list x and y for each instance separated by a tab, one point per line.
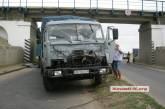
74	32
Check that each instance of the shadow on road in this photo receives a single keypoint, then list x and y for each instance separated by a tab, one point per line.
77	86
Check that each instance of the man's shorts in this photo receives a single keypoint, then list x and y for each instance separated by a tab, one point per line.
115	65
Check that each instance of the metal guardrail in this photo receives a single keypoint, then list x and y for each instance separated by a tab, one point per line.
137	5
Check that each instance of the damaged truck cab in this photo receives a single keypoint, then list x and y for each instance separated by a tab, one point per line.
74	48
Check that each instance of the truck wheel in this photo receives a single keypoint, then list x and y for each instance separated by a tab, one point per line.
48	83
42	71
98	79
110	71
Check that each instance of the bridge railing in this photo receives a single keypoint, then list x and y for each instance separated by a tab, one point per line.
139	5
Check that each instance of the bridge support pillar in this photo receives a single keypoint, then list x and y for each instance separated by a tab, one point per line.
150	37
145	43
33	40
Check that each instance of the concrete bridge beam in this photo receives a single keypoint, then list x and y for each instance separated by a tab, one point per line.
102	15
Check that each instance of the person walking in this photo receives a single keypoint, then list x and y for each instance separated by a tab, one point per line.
128	57
117	59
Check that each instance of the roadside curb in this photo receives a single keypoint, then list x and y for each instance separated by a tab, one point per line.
12	70
152	66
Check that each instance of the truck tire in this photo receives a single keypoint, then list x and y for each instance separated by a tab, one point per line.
98	79
48	84
42	71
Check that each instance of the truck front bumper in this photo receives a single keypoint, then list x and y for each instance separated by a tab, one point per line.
81	72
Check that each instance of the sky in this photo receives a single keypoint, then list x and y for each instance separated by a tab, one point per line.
128	36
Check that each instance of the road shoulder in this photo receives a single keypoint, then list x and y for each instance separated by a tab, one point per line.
123	100
152	67
11	68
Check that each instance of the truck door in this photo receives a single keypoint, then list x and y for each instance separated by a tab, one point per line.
110	43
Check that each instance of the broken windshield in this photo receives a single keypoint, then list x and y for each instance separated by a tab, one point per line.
74	32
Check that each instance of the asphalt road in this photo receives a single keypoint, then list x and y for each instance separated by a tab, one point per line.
24	90
143	75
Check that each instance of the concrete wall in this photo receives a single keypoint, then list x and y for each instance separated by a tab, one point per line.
158	35
16	31
160	56
10	55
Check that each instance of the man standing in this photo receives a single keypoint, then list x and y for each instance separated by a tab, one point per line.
117	59
128	57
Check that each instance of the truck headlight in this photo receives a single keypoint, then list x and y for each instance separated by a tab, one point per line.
102	71
57	73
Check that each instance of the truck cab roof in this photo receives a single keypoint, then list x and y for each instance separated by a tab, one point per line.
72	22
65	18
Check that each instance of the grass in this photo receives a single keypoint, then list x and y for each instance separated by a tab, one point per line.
119	100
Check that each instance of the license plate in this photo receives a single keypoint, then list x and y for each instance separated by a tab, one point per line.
81	71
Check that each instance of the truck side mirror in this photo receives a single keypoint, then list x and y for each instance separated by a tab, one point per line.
115	33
